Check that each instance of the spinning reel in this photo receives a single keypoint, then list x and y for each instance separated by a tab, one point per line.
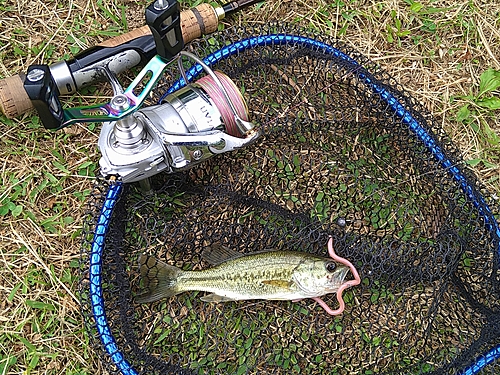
192	124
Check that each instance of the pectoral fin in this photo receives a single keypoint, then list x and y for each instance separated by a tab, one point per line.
216	298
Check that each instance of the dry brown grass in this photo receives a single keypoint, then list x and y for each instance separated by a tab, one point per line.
36	256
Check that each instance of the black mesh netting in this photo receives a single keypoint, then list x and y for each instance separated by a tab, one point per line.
334	160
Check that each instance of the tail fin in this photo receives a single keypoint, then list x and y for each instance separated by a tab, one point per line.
158	279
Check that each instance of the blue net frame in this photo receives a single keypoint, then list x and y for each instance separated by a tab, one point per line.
115	189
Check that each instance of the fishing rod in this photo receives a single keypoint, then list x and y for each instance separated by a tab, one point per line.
196	121
117	54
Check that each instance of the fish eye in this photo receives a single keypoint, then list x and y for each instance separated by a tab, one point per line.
330	266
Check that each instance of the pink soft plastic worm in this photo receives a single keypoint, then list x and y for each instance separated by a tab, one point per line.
347	284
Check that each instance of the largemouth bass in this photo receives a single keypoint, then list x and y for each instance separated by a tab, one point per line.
269	275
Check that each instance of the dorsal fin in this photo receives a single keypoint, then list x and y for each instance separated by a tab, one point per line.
217	254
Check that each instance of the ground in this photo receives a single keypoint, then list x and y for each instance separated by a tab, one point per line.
444	53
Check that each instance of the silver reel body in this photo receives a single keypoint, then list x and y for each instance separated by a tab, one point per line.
176	135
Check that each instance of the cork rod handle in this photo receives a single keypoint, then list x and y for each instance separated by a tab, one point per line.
203	19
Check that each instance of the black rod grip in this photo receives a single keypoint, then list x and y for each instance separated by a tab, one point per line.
44	95
164	20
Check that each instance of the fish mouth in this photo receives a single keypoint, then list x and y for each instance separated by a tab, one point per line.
343	273
337	280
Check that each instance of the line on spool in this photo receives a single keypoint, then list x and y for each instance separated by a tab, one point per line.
208	84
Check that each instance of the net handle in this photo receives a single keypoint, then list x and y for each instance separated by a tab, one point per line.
95	278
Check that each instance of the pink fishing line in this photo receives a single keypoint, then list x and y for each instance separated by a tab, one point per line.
213	91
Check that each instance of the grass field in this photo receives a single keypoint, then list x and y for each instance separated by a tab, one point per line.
445	53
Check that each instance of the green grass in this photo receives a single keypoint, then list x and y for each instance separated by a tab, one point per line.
483	105
446	55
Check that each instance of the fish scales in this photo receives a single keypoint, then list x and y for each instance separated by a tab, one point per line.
246	276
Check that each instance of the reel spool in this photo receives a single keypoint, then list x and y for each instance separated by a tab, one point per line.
208	84
201	106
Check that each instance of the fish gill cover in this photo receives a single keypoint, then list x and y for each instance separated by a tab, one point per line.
345	153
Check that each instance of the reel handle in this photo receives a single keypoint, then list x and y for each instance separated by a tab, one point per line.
203	19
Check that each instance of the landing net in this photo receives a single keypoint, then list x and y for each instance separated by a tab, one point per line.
345	152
